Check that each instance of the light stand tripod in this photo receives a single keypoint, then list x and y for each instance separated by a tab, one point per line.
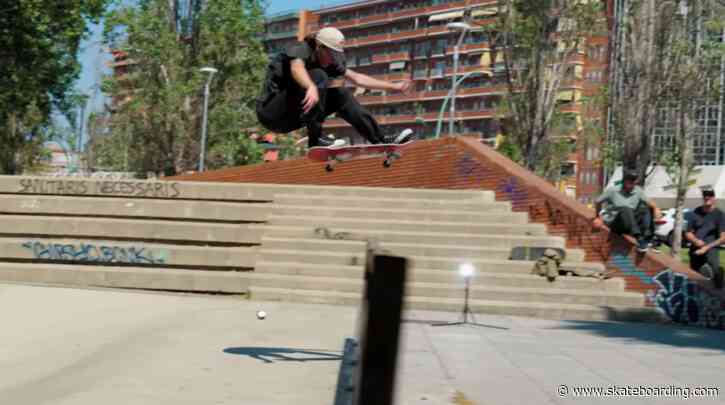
467	272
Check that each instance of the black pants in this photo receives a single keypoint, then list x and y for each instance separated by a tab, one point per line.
281	112
637	223
712	258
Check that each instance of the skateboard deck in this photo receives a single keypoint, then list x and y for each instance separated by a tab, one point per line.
335	154
533	252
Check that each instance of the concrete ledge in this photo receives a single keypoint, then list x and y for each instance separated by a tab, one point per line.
392	223
119	229
85	187
441	214
511	278
437	238
110	252
393	203
135	208
438	290
126	277
536	310
486	261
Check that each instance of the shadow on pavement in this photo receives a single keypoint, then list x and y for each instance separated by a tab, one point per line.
672	335
272	354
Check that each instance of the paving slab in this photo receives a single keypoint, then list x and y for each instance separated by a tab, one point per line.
89	346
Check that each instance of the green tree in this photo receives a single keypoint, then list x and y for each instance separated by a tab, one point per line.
539	41
691	61
39	44
156	126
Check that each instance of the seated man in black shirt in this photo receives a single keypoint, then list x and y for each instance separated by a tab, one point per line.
706	231
297	90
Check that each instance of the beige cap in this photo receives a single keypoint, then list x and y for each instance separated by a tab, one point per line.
332	38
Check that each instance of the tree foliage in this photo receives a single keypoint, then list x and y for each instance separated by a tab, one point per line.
691	61
156	122
540	41
39	46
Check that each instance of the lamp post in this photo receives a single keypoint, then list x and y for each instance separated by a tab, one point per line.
439	124
463	28
210	71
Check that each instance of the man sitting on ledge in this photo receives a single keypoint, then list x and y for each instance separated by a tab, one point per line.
627	211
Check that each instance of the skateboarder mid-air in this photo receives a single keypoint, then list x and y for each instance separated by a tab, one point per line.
297	91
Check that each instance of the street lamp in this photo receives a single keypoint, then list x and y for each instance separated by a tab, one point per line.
210	71
463	28
465	76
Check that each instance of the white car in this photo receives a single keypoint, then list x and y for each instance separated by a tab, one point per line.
665	226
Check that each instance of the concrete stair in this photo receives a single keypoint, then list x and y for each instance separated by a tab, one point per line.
289	242
299	261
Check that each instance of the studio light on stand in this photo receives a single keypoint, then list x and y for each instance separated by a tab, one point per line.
466	270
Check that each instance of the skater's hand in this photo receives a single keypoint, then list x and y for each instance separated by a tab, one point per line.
597	223
404	86
312	97
701	251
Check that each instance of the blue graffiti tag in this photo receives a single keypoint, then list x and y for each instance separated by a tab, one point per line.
468	168
683	301
85	252
625	265
515	192
677	298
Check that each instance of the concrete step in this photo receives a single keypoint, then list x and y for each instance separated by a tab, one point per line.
115	229
433	214
126	277
323	201
84	252
227	191
482	261
134	208
451	276
527	309
381	192
134	189
431	238
493	228
439	290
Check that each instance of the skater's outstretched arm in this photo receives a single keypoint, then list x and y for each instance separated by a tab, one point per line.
302	77
368	82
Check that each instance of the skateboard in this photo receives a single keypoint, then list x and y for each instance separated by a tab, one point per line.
332	155
532	253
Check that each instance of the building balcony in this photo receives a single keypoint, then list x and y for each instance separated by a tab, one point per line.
271	36
383	18
415	118
431	95
391	37
391	57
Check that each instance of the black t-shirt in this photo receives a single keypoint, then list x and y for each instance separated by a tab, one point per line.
279	74
303	50
706	225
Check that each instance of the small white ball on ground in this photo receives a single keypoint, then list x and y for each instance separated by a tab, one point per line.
261	314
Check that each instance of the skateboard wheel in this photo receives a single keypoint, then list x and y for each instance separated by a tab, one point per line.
329	168
387	163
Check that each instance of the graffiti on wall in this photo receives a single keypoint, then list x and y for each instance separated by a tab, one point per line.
685	301
157	189
469	169
514	192
92	253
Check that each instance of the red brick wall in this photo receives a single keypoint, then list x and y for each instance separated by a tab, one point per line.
465	163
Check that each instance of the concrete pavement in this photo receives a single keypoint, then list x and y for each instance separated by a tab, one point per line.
81	346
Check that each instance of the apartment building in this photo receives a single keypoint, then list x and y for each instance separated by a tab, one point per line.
410	40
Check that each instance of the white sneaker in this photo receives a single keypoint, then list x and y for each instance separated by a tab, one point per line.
405	136
339	142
